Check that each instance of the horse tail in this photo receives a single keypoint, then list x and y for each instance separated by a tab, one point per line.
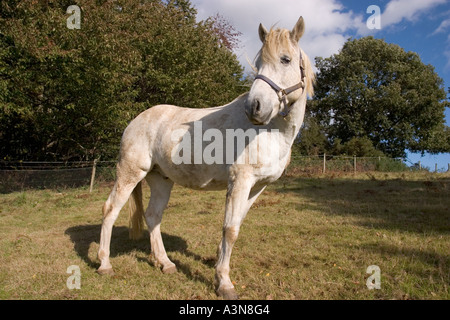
136	221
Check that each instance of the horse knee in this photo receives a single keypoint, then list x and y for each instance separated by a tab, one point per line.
110	213
231	234
106	210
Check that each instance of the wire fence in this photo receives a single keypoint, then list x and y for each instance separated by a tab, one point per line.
322	164
23	175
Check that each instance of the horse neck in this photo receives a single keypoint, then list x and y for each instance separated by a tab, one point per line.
290	126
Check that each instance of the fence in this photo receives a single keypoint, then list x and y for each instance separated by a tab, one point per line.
22	175
328	163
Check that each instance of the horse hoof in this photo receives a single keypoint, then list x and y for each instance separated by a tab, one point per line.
169	269
227	294
106	272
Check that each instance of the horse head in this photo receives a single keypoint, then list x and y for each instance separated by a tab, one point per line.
283	75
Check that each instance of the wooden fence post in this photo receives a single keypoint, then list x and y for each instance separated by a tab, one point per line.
324	163
91	187
354	164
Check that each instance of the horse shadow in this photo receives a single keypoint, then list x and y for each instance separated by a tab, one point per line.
83	236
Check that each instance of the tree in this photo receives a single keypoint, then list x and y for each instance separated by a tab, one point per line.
227	35
68	94
62	97
311	140
377	90
356	146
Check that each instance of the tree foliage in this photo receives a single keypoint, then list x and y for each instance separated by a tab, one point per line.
375	90
227	35
68	94
312	140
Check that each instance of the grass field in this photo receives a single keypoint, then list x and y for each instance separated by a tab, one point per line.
304	238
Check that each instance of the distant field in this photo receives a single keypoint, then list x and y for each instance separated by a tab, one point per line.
304	238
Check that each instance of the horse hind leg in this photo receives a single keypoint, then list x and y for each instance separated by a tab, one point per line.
127	180
161	188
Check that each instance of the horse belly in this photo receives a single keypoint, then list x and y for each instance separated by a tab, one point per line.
196	176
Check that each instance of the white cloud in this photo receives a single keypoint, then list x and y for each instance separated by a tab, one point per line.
442	27
328	22
398	10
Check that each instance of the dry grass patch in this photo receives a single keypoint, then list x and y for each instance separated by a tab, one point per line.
304	238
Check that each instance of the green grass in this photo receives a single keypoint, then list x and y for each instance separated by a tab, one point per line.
304	238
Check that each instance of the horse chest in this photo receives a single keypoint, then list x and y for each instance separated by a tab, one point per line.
269	174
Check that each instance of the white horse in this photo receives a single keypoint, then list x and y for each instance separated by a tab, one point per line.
162	134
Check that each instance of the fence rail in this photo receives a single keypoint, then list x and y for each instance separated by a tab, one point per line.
23	175
329	163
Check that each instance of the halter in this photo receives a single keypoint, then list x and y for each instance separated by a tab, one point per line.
283	93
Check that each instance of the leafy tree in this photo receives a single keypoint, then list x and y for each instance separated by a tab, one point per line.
61	94
68	94
185	65
356	146
311	140
227	35
377	90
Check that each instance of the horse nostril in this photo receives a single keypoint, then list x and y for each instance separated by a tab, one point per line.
256	106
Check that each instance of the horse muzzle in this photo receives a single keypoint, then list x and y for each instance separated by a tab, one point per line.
255	113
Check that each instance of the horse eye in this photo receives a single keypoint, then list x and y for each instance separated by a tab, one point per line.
285	60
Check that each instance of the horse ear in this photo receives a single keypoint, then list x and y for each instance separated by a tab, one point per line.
298	30
262	32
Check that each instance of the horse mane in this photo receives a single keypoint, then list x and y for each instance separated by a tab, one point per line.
280	40
310	75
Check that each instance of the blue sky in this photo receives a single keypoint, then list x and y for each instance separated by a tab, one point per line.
422	26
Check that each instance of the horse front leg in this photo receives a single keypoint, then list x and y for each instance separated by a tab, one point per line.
237	205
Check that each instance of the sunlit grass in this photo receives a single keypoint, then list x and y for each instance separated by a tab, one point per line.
304	238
